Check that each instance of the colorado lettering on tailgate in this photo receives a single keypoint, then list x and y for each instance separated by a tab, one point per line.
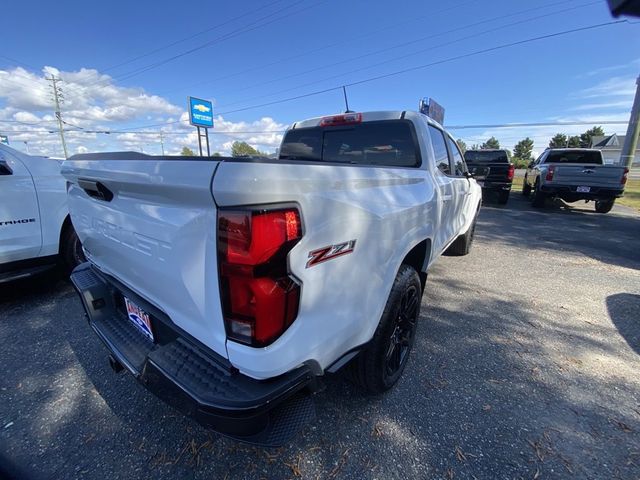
140	243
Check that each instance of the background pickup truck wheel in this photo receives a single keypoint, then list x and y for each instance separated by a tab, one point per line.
503	197
538	198
379	366
526	188
604	206
71	250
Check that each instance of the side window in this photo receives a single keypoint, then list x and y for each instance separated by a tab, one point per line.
440	150
459	167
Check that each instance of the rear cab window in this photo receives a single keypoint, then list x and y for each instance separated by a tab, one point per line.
580	157
390	143
486	156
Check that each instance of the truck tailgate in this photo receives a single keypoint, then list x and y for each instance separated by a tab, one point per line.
157	234
588	175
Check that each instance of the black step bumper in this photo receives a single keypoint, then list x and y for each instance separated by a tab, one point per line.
188	375
570	191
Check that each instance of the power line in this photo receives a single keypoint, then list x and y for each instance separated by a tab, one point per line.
407	43
306	53
431	64
244	29
182	40
448	127
536	124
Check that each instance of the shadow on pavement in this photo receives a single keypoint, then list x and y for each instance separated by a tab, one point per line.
611	238
624	310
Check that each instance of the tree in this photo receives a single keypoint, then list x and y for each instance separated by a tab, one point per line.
243	149
187	152
216	154
522	150
475	146
559	140
585	138
492	143
461	145
573	141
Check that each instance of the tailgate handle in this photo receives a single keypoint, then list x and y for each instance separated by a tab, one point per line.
96	190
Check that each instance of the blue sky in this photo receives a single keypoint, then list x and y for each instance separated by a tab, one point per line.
126	64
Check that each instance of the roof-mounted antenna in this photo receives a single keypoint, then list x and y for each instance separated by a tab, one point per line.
346	101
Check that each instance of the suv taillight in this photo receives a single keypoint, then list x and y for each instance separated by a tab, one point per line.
259	296
511	172
625	175
550	172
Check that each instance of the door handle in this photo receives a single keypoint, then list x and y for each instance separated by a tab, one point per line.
95	190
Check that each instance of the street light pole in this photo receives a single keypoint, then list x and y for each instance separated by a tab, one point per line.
631	140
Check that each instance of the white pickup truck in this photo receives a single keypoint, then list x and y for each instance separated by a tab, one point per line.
229	286
35	229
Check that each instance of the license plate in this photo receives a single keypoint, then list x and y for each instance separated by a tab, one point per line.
583	189
139	318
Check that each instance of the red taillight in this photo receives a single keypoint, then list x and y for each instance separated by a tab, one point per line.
345	119
550	172
624	176
511	172
259	297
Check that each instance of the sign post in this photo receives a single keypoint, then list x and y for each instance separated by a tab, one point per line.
201	117
431	108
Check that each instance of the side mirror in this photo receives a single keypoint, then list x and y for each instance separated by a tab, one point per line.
530	165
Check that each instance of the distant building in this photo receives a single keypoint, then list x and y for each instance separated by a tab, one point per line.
611	147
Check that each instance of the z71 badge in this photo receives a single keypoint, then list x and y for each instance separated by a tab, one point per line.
329	252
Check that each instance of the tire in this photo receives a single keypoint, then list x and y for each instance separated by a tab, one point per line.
604	206
462	245
526	188
503	197
380	365
71	250
538	199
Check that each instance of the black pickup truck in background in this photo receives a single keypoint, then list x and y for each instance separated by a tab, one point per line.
500	171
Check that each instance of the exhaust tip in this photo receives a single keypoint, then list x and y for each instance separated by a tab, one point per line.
115	365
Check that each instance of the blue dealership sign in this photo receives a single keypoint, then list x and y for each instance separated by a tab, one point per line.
200	112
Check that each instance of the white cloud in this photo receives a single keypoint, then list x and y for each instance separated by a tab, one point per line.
94	102
624	105
612	87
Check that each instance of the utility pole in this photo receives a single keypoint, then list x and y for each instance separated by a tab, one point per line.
162	142
58	98
633	130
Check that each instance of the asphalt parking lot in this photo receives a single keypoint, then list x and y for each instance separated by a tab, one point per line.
526	366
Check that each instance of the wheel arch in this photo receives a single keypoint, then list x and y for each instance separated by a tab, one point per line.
66	225
418	258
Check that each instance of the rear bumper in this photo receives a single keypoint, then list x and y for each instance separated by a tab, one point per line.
498	186
570	191
189	376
